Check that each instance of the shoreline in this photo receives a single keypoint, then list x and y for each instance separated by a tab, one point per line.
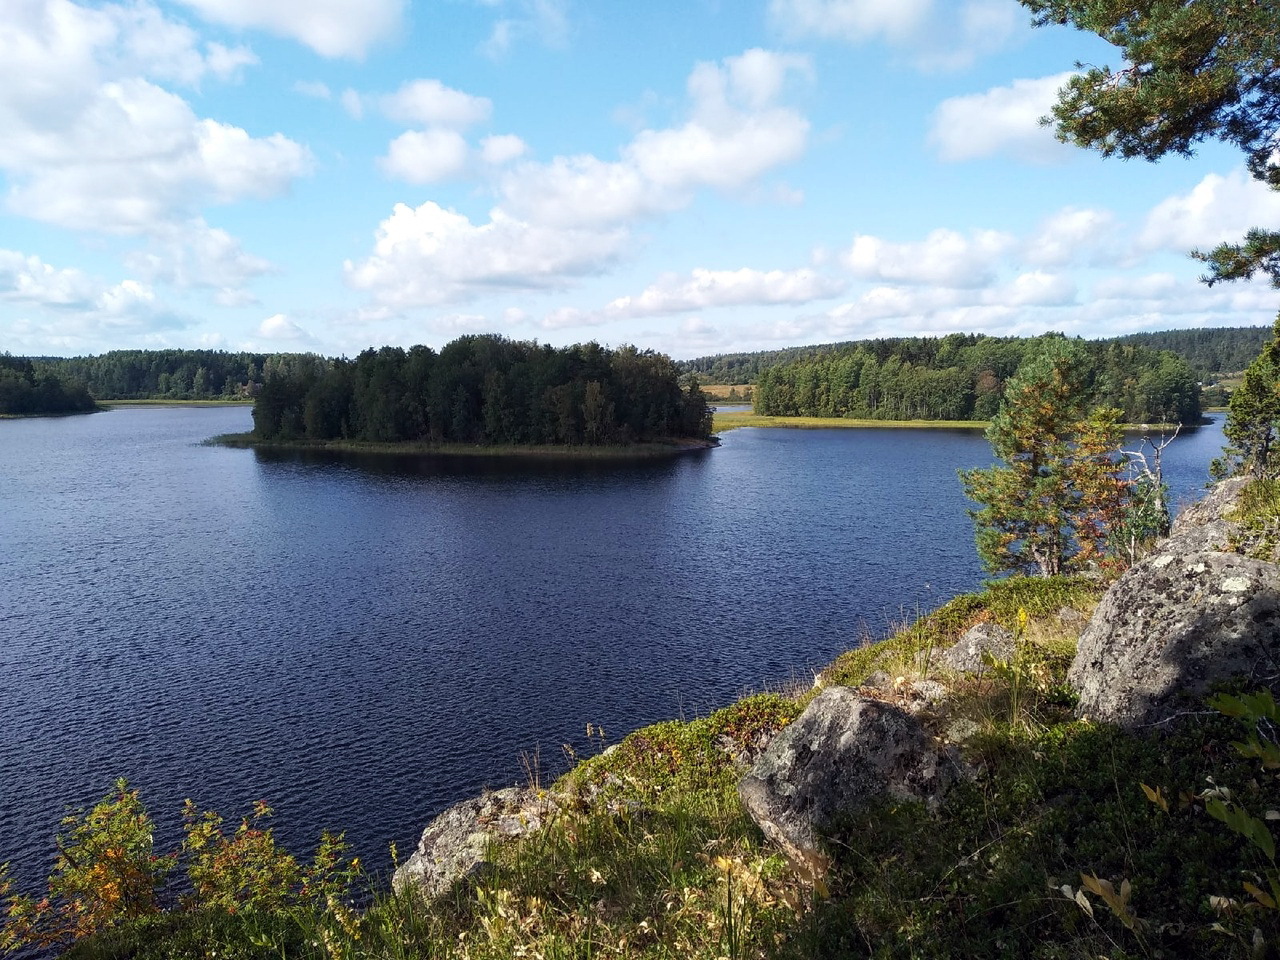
732	421
220	402
638	451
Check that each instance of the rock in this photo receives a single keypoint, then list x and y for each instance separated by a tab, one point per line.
966	656
455	845
962	729
1204	525
843	751
1169	628
921	694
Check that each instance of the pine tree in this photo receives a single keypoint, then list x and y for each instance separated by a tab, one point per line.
1050	508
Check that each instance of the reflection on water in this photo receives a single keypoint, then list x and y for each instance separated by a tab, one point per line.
364	640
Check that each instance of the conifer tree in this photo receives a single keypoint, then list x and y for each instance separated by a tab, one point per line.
1050	507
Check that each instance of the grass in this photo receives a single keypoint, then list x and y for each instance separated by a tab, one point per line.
1258	514
653	856
636	451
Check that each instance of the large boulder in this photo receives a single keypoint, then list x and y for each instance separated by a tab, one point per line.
456	845
843	751
1172	626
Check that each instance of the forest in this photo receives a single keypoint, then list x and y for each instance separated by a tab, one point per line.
484	390
172	374
962	377
25	391
1209	351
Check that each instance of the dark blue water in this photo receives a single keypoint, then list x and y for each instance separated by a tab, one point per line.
363	641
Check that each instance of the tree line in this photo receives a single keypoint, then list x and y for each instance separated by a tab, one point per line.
485	390
1209	351
173	374
963	377
24	390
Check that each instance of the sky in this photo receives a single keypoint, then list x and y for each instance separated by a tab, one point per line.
696	177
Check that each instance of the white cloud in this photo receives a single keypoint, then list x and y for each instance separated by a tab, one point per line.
426	156
502	149
545	20
75	309
570	217
193	254
736	133
1218	209
429	103
1074	235
704	289
945	258
280	328
91	142
430	255
352	103
937	34
333	28
313	88
1001	120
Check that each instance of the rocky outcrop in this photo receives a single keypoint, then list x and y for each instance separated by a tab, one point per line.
456	844
1169	628
1205	525
1181	620
843	751
967	655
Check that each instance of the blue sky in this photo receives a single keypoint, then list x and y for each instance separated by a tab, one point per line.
696	177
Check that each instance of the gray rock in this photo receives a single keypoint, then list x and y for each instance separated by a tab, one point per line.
456	844
1170	627
1204	525
842	752
966	656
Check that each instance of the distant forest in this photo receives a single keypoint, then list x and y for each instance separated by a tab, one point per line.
1209	351
24	390
962	377
485	390
174	374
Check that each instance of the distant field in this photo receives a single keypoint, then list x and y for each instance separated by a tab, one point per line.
731	421
719	392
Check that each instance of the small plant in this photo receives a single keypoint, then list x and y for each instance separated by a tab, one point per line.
106	874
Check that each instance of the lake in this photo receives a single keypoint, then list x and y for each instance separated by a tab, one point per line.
362	641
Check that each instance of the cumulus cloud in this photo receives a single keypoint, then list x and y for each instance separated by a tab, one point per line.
93	142
1218	209
429	255
704	289
426	156
563	219
502	149
280	328
936	34
736	132
425	103
945	258
72	308
1074	235
332	28
1001	120
195	255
